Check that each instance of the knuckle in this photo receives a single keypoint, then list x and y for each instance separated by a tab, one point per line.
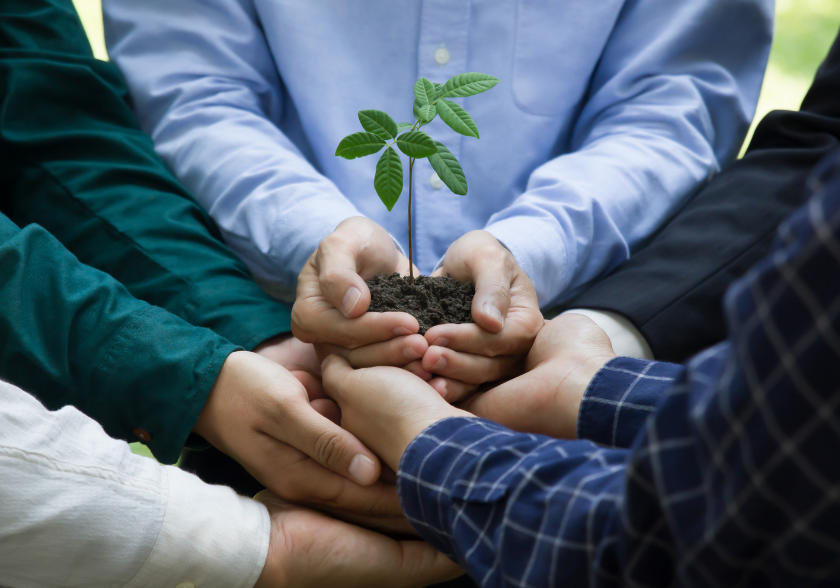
328	448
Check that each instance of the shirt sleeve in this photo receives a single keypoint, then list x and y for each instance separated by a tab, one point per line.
78	165
663	115
728	483
72	335
78	510
622	395
213	77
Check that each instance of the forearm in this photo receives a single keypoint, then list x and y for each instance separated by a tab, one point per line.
73	335
659	121
502	504
87	174
621	397
214	104
77	509
673	289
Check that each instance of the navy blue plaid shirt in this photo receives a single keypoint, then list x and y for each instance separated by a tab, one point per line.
724	472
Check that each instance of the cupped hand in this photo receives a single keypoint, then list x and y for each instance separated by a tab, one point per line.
385	407
546	399
506	314
307	548
260	415
332	298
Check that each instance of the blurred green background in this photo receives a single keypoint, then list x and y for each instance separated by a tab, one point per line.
805	30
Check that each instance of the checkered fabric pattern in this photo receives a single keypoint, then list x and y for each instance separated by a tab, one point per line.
625	393
734	480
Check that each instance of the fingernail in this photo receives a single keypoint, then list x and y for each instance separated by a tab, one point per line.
350	299
441	363
494	313
441	342
362	469
411	353
401	331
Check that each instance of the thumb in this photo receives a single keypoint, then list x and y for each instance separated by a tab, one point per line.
339	280
331	446
492	281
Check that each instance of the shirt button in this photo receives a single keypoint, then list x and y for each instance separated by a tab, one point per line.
185	585
435	181
442	55
144	436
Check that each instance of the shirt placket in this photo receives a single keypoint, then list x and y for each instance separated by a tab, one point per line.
442	53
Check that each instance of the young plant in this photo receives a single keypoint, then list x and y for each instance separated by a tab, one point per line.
380	130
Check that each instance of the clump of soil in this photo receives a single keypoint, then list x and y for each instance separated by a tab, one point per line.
432	301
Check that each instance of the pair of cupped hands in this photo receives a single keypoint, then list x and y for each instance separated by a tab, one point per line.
313	417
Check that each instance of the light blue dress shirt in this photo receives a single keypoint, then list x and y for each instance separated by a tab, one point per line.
609	114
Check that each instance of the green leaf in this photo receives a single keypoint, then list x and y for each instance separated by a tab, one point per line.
389	178
425	91
457	118
416	144
438	90
427	113
468	84
416	109
379	123
359	145
448	169
403	126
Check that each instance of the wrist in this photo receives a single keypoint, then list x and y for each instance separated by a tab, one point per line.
410	430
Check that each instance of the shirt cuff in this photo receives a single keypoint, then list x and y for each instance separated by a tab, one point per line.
165	369
210	538
621	396
545	262
626	339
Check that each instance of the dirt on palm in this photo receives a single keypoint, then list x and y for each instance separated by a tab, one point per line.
432	301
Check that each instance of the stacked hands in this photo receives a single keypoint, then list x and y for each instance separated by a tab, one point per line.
312	416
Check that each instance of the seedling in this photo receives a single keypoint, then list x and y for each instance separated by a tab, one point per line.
380	130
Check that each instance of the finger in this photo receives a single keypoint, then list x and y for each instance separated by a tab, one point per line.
392	524
492	269
314	388
341	257
328	409
467	367
328	444
314	320
516	339
396	352
452	390
416	368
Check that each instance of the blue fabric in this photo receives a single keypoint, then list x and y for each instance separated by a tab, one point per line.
621	397
608	116
734	481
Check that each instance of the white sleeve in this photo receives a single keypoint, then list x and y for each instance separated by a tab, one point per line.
78	509
626	339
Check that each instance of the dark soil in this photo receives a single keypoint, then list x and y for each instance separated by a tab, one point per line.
432	301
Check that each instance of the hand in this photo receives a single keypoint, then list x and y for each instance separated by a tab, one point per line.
332	299
297	357
506	314
567	354
385	407
261	416
307	548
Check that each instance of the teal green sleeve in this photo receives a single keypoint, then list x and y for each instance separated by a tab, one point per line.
75	162
72	335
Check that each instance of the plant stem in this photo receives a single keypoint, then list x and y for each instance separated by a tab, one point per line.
410	251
